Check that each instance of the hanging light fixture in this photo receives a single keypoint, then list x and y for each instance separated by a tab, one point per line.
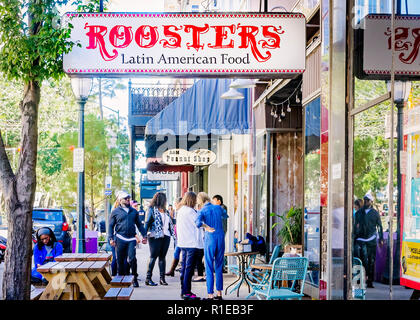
232	94
283	115
272	110
242	84
275	114
288	106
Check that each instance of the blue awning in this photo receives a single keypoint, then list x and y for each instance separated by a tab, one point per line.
201	111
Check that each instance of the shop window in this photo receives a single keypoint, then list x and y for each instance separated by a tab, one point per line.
312	188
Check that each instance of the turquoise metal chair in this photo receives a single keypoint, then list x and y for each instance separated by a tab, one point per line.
259	276
284	271
358	280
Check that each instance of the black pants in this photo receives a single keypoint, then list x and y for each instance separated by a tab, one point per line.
158	249
189	256
199	262
123	250
366	252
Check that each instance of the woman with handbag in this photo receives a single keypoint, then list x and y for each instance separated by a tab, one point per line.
160	229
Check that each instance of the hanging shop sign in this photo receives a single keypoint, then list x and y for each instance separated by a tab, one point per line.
373	47
199	157
162	176
193	44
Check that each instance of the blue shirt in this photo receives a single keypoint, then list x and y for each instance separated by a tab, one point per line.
212	215
42	257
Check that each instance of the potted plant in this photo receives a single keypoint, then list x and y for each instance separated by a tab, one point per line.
291	231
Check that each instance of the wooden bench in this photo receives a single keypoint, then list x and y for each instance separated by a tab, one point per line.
36	293
115	293
122	281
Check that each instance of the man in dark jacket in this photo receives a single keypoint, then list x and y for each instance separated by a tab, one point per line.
123	222
367	224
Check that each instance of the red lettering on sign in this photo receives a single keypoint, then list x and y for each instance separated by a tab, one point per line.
221	34
96	38
273	41
146	36
416	46
174	40
401	35
196	31
126	34
247	35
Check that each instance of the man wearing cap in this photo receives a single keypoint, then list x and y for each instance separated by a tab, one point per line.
122	234
367	224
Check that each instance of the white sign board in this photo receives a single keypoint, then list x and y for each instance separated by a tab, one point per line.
78	160
336	171
377	55
181	44
199	157
162	176
108	182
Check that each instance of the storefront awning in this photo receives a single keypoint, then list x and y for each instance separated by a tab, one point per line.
159	167
197	118
201	111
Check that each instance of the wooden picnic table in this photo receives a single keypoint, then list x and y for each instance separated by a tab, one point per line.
243	264
69	257
75	280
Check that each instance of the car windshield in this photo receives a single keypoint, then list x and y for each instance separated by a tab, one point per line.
47	215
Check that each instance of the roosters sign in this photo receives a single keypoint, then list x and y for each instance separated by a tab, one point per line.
377	54
177	44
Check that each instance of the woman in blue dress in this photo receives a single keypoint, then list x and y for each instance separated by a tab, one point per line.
45	250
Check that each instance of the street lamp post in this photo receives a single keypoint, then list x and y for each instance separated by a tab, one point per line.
401	93
81	88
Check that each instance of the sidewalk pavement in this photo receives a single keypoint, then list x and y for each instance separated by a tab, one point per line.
173	290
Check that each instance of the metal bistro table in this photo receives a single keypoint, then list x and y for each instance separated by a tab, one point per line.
243	264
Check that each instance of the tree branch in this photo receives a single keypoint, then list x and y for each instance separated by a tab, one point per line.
6	172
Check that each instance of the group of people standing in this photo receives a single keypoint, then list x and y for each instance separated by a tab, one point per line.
197	231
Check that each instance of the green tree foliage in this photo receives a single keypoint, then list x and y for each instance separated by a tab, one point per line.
370	155
96	158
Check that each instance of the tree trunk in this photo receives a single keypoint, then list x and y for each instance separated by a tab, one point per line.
19	191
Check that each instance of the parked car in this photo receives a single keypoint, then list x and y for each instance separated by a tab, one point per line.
3	243
56	220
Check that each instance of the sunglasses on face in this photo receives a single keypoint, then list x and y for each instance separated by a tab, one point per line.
127	198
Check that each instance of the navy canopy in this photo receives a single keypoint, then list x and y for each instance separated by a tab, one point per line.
200	111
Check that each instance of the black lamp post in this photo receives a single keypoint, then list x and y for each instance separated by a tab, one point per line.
401	92
81	88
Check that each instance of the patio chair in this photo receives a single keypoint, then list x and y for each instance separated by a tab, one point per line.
285	271
258	276
358	280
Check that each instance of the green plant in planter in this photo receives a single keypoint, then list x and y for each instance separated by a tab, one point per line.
291	231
